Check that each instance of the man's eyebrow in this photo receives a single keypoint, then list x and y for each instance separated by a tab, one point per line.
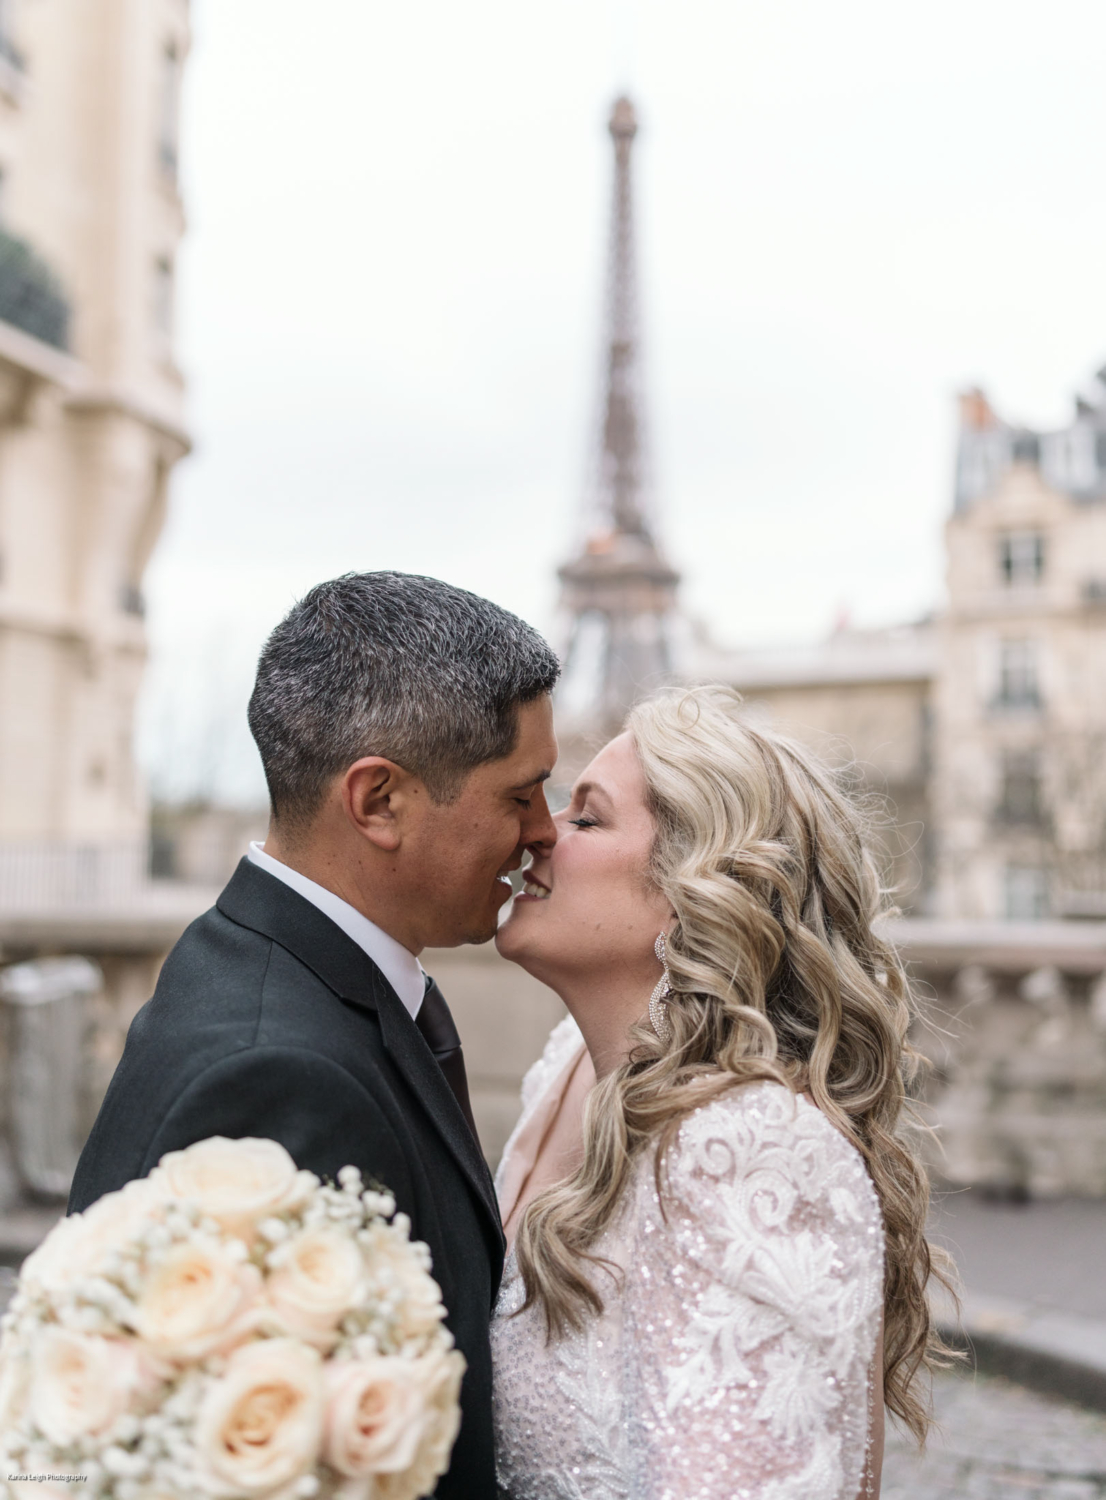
533	781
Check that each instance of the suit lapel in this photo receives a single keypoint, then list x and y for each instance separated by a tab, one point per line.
256	899
413	1058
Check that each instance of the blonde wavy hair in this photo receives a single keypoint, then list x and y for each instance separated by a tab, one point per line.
778	974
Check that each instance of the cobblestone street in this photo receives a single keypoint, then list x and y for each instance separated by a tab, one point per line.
999	1442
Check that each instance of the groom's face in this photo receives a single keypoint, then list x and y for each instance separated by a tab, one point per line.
461	853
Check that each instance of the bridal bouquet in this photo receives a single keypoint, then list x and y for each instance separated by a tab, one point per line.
228	1327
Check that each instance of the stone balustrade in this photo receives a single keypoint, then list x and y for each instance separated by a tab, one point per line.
1014	1027
1013	1024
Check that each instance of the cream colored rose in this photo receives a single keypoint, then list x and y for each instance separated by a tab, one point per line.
237	1182
200	1298
260	1424
80	1383
76	1246
394	1419
320	1278
442	1372
14	1379
375	1415
393	1266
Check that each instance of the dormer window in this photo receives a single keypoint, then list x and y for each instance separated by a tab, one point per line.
1021	558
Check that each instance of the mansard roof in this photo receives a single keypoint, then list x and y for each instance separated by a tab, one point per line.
1071	459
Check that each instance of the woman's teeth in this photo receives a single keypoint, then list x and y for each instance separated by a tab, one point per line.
531	888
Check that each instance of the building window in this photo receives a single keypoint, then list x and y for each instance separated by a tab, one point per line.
1021	787
1017	684
1021	556
169	109
131	601
163	295
1026	894
9	52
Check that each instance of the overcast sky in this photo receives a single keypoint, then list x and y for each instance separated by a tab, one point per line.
390	297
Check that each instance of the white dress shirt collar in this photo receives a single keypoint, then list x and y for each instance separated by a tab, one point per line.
399	966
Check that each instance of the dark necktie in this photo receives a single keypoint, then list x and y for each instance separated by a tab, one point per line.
440	1035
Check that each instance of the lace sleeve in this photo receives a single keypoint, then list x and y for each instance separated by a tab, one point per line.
752	1315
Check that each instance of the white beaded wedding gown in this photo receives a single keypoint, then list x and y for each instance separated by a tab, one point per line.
732	1358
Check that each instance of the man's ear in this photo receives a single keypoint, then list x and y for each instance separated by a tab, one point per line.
376	795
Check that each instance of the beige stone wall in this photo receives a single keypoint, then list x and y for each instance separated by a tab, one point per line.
879	731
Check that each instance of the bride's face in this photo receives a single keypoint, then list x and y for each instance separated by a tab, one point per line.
587	907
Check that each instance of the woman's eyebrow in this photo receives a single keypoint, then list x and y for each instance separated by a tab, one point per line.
584	789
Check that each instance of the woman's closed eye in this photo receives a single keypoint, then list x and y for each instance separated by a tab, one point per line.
583	821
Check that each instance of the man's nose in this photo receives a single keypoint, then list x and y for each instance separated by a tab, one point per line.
539	832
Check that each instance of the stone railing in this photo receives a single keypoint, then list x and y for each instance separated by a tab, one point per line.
46	1024
1014	1027
1014	1023
63	1019
49	875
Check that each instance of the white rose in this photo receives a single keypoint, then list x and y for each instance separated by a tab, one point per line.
76	1246
375	1415
394	1419
14	1381
393	1265
260	1424
80	1384
440	1374
237	1182
201	1297
321	1276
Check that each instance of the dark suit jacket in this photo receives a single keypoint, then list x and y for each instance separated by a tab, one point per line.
269	1021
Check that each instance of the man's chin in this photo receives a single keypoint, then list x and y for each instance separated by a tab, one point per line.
483	927
482	934
486	927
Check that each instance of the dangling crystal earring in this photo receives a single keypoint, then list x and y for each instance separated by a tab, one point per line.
658	1000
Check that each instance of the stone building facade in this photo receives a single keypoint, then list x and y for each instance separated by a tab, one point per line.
982	730
91	416
91	426
863	700
1020	700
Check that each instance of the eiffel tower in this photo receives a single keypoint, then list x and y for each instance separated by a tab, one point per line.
619	593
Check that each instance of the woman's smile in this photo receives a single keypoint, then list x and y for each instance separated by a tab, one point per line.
532	889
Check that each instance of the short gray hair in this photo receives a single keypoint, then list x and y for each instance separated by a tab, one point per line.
391	664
